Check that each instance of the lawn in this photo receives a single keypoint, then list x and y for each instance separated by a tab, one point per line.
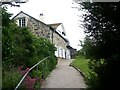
81	63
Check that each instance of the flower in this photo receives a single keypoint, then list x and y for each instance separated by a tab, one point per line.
28	82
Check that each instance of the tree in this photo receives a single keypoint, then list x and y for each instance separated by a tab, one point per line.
13	2
103	29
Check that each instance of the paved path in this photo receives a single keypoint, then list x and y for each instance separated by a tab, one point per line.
64	76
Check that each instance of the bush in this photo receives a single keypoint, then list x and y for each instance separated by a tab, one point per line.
20	47
10	78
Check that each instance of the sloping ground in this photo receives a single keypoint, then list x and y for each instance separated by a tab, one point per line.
64	76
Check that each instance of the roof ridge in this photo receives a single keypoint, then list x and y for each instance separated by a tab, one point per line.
43	23
29	16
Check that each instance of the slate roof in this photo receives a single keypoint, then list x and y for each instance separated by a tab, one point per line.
55	25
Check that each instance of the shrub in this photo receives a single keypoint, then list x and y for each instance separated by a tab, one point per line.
10	78
21	47
28	82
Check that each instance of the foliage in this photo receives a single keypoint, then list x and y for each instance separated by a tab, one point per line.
20	47
10	78
103	48
82	63
28	82
86	47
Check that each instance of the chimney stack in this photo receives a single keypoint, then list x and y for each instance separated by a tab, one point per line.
41	17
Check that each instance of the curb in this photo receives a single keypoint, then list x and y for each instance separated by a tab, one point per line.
78	70
83	74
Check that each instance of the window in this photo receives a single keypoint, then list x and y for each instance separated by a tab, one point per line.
22	22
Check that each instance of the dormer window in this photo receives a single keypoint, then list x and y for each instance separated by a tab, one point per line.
22	22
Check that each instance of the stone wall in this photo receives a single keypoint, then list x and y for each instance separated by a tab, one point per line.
38	28
60	43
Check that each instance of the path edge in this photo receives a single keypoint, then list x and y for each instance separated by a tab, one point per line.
83	74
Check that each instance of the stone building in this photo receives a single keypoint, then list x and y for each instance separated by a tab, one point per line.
73	52
60	41
54	32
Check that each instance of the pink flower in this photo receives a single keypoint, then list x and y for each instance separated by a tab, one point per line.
20	69
28	81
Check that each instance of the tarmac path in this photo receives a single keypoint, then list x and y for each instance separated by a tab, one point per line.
64	76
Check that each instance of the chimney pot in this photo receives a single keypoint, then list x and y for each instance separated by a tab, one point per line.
41	17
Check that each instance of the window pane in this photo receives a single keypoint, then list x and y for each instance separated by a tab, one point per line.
22	22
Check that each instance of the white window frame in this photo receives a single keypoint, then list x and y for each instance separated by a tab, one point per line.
22	22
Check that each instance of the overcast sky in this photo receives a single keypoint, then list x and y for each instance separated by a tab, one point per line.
55	11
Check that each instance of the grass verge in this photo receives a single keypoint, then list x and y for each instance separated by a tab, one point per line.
82	63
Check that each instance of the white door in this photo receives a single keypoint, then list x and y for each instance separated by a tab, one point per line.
68	54
63	53
56	52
